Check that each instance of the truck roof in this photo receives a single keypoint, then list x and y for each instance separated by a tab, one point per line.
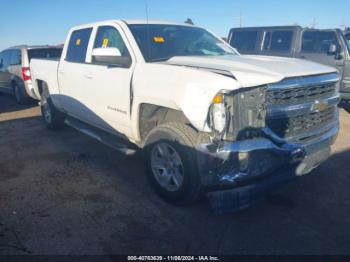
153	22
132	22
292	27
268	27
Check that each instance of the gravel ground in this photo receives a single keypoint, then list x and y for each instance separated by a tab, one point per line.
64	193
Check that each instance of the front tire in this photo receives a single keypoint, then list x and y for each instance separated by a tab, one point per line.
52	117
171	163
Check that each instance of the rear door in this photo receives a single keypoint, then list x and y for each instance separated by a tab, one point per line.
71	74
315	46
278	42
246	41
15	66
5	74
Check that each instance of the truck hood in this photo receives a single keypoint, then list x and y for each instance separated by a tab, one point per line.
254	70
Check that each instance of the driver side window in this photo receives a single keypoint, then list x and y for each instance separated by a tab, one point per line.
108	36
315	41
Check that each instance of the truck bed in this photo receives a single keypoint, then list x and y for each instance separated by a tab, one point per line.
45	69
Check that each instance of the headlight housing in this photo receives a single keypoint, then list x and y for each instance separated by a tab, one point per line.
218	114
237	115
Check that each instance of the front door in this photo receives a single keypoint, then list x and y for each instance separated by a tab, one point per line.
316	44
107	87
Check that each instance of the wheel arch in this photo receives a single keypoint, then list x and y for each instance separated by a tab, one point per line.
151	115
41	84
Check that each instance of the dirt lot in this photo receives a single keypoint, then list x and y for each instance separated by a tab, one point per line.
64	193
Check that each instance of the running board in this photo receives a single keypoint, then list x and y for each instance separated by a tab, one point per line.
101	136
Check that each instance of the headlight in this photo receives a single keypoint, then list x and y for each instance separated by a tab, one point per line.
218	114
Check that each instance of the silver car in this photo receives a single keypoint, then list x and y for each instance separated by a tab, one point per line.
15	76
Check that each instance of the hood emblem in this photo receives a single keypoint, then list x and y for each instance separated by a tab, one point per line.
319	106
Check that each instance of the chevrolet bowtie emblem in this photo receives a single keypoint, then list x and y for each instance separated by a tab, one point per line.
319	106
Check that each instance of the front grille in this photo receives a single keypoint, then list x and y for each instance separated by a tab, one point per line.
300	94
295	126
290	104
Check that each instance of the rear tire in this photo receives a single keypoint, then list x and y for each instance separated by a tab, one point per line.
19	94
171	163
53	118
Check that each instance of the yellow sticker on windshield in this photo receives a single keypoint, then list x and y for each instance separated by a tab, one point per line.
78	41
158	39
105	42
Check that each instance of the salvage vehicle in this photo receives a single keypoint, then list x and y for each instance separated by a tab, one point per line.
208	119
325	46
15	71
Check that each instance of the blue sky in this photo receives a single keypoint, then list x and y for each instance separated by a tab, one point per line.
47	21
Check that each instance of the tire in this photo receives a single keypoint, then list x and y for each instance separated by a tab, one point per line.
53	118
19	94
177	179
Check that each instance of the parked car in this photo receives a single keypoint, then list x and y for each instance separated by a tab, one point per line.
15	75
207	118
326	46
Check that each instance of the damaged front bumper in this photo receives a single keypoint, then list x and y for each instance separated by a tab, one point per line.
234	164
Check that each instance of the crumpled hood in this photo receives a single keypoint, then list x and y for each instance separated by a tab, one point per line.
254	70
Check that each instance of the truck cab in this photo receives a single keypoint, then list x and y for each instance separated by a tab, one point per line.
325	46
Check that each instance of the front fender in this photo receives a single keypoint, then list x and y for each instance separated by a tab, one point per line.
181	88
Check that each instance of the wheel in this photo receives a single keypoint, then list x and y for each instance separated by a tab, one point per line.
52	117
170	160
19	94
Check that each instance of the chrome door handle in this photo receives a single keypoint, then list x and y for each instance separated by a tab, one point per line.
89	75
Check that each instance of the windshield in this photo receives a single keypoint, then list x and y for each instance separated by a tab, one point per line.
162	42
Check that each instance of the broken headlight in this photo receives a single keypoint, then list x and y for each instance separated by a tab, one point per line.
218	114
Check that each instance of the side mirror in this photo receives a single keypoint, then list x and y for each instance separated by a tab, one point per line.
332	50
110	56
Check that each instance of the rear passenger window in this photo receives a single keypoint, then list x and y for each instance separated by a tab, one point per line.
78	44
278	41
1	60
6	58
244	40
318	41
347	39
108	36
15	58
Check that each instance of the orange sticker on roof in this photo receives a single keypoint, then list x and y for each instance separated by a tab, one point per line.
78	41
158	39
105	42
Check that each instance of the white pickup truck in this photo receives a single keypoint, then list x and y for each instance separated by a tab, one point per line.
208	119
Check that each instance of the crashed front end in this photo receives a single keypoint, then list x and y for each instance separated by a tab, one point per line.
257	131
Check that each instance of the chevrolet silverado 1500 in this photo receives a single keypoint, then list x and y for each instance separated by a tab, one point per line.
207	118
